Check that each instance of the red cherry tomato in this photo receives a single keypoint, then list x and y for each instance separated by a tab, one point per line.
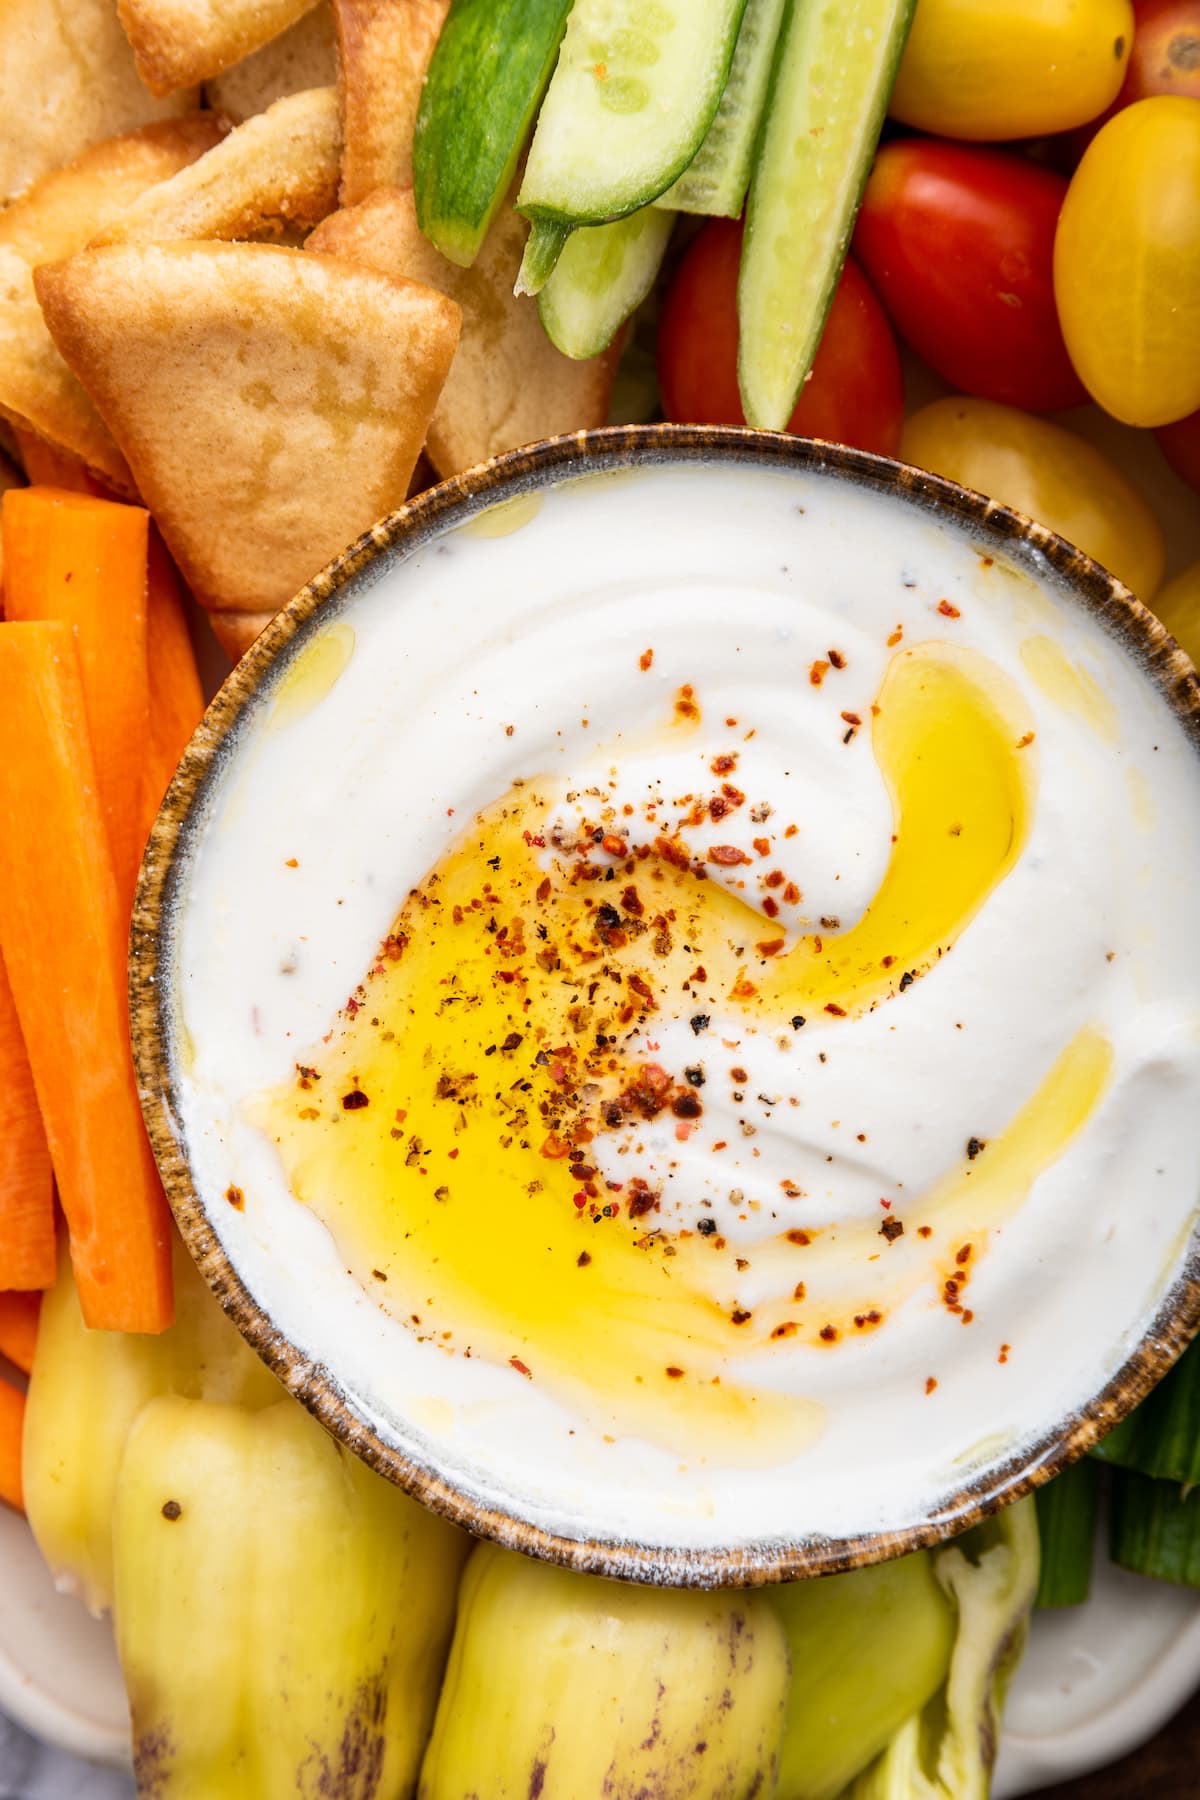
1180	444
855	394
959	243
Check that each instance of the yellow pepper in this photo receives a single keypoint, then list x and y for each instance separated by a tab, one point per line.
282	1612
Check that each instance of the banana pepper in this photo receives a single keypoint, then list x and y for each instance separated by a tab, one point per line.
282	1613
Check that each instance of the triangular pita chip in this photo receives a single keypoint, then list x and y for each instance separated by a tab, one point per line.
384	48
304	56
509	385
54	219
176	42
67	80
274	176
271	404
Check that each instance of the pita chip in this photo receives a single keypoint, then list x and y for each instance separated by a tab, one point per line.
57	217
178	42
384	48
509	385
274	176
304	56
67	80
271	404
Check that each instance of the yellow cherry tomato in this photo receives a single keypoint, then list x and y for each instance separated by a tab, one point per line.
1011	68
1178	606
1127	263
1039	469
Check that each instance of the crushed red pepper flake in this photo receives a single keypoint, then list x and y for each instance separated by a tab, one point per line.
930	1383
645	660
521	1368
948	609
236	1198
674	1373
818	672
726	856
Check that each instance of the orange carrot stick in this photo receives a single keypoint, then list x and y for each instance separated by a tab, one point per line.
176	697
83	560
63	929
48	466
27	1251
12	1423
18	1328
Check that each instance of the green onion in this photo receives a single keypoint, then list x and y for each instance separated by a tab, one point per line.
1162	1438
1066	1512
1155	1528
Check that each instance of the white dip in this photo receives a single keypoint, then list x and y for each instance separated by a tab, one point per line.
512	650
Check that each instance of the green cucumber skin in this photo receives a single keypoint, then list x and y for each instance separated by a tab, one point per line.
820	130
626	109
715	181
1154	1528
602	276
486	79
1067	1509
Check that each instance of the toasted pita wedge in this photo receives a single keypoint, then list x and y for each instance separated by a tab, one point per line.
67	80
271	404
177	42
509	385
304	56
54	219
384	48
274	176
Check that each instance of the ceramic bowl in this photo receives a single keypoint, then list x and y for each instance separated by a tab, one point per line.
308	1364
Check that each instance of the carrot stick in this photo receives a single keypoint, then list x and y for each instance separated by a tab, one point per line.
83	560
18	1328
176	697
12	1423
63	927
27	1252
48	466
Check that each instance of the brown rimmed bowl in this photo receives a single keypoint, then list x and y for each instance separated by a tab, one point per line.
348	1414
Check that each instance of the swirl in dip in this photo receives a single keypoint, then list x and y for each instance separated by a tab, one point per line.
689	986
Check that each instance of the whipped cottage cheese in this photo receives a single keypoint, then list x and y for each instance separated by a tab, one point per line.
690	981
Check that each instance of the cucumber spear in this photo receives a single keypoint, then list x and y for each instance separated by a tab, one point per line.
834	69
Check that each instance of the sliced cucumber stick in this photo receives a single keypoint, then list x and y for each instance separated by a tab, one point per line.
716	179
634	92
834	69
487	76
603	275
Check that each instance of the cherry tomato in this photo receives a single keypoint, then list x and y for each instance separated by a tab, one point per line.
959	244
989	69
855	394
1048	473
1127	263
1180	444
1178	606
